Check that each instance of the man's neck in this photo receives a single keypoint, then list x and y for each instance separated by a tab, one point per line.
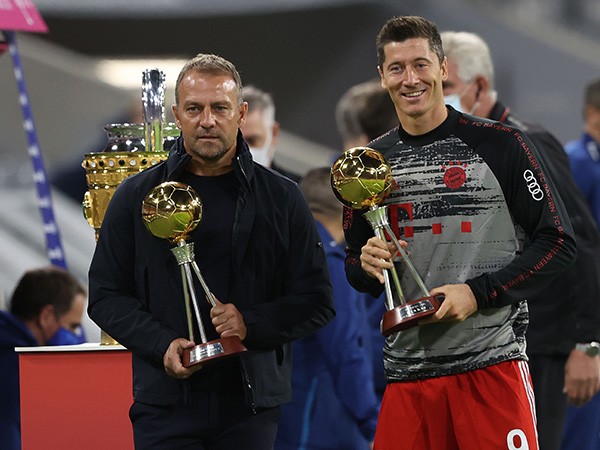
595	134
209	167
332	225
418	125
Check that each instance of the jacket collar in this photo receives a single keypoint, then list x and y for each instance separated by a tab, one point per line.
242	161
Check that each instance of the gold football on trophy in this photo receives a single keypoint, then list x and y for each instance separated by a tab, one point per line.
171	210
361	178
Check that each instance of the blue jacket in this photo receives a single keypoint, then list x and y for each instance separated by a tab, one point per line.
13	333
334	404
280	282
584	157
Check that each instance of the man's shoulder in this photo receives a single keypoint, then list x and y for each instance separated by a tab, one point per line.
13	332
576	149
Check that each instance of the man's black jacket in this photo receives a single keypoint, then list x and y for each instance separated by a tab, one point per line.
567	311
280	280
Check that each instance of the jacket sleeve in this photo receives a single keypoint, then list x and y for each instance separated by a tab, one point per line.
537	208
306	303
114	303
357	232
583	296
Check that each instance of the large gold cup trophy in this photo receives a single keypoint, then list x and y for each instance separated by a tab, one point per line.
171	211
131	148
361	178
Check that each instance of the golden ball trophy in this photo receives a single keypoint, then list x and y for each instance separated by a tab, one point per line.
361	178
171	211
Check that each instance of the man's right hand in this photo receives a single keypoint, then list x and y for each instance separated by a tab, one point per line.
173	362
375	256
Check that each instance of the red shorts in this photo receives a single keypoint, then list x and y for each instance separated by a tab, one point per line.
490	408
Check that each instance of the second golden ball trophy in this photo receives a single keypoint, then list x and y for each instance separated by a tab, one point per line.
361	178
171	211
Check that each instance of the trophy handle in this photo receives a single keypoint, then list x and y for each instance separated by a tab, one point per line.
188	280
209	295
408	262
377	218
184	254
389	297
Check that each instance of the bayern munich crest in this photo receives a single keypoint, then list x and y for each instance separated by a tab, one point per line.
454	174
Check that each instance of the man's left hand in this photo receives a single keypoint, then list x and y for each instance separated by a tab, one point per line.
582	377
228	321
459	303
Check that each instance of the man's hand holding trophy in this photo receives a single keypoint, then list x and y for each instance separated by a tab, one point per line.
361	178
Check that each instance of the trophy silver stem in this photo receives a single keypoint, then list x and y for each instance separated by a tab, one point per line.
389	297
184	254
377	218
209	295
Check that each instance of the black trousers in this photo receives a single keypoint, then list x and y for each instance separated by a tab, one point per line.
211	421
548	378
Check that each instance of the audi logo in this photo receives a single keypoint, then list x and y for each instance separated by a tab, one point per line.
534	188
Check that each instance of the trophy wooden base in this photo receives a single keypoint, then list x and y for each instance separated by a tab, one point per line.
213	351
407	316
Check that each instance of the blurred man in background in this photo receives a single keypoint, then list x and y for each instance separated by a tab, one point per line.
364	113
582	425
261	130
333	404
564	323
44	302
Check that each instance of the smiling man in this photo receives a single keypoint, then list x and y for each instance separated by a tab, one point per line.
260	253
467	191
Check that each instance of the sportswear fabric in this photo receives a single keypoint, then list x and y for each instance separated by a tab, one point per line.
465	195
279	280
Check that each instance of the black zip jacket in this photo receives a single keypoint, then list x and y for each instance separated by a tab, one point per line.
280	281
568	310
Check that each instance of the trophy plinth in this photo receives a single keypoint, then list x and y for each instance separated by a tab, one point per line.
408	316
213	351
361	178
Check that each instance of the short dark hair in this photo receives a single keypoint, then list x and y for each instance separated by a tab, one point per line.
45	286
209	63
316	186
399	29
592	94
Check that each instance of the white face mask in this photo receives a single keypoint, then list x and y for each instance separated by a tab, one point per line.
454	100
264	155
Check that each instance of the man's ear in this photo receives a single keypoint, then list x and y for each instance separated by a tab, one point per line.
483	84
47	317
276	129
383	85
176	114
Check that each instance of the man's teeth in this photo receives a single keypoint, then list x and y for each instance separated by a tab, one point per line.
413	94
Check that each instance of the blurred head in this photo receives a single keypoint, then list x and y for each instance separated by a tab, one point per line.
46	299
591	108
470	83
260	129
209	110
412	68
363	113
323	203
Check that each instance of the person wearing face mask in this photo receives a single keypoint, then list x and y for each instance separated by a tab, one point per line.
564	325
261	130
44	300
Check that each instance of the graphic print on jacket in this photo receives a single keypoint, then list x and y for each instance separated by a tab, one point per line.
450	208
